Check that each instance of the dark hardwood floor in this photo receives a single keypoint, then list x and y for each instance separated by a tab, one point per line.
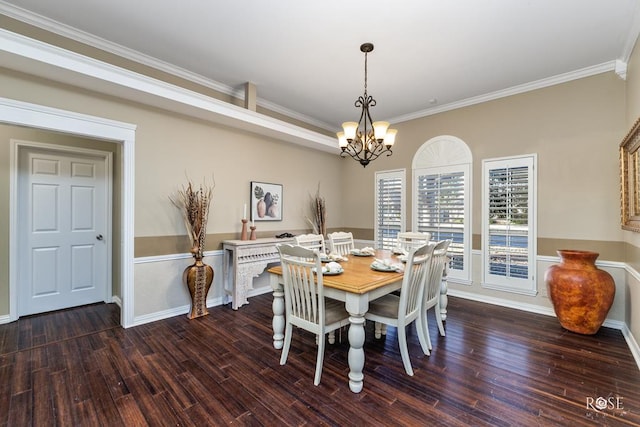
496	366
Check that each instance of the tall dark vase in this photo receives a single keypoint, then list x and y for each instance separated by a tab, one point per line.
198	278
580	292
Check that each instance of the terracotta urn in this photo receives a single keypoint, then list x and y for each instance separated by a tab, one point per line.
580	292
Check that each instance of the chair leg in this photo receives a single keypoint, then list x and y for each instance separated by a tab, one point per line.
287	343
332	337
426	329
439	320
404	350
378	330
422	337
319	361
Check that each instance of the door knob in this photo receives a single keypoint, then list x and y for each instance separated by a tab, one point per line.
99	237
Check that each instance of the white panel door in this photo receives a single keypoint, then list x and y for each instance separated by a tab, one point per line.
63	221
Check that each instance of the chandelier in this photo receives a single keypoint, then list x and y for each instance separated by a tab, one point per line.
366	140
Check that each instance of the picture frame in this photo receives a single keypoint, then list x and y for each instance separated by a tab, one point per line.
630	179
266	201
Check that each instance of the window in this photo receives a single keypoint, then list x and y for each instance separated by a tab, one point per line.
441	209
442	199
390	207
508	223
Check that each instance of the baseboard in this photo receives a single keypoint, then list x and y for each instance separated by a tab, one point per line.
116	300
632	343
532	308
5	319
177	311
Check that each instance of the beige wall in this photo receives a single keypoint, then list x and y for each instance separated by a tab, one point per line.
169	149
632	239
575	129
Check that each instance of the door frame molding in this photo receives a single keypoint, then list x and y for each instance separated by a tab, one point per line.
18	146
19	113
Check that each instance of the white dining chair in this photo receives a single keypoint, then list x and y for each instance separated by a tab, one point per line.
311	241
431	298
341	242
412	240
305	304
400	311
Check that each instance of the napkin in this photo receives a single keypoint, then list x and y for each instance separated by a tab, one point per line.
368	251
384	262
333	267
388	263
337	257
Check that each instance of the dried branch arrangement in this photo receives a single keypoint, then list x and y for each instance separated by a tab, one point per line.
318	213
194	204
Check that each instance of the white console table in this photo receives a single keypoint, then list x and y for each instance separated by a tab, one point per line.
244	260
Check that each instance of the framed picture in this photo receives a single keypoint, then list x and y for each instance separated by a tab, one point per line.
266	201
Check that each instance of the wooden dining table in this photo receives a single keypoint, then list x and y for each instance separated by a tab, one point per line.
356	286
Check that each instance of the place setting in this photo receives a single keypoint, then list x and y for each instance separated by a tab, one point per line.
386	265
333	257
331	269
364	252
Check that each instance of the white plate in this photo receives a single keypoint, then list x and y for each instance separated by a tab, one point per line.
381	267
325	272
357	252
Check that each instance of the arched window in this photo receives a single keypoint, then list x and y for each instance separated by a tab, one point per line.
442	199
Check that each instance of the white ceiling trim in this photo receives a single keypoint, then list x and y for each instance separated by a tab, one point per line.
55	27
91	40
140	88
632	36
515	90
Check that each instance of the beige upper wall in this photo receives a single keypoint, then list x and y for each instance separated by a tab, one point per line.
575	129
632	114
170	148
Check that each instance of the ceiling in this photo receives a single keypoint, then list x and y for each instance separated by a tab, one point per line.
305	61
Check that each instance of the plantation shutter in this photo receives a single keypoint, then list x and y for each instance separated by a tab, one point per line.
389	212
440	211
508	223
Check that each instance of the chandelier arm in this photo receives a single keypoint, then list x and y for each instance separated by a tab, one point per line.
354	148
375	155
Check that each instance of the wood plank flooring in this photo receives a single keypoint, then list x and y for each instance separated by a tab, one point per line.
495	367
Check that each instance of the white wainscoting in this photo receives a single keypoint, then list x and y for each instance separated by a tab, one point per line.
160	292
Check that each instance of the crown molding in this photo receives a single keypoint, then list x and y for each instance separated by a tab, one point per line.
93	41
632	36
35	57
514	90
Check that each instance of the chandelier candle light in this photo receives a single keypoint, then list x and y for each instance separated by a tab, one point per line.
366	139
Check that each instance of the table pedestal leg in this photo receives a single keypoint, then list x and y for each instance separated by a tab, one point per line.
278	318
356	353
444	299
